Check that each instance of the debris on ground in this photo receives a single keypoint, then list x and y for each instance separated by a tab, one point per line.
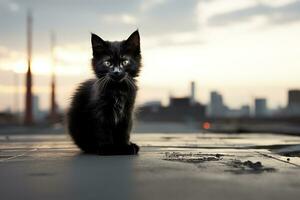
246	167
191	157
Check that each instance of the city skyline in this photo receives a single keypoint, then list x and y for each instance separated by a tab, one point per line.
213	95
202	94
242	57
187	108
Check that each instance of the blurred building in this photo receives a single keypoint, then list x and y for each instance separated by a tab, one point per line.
180	102
7	117
293	107
154	106
243	111
180	109
193	92
260	107
216	106
37	113
36	107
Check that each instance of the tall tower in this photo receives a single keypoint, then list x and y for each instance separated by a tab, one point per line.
53	105
261	109
28	116
293	106
193	93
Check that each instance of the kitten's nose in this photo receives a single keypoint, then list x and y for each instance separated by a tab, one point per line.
117	74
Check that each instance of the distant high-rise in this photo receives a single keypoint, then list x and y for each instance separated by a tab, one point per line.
193	93
294	97
261	109
28	115
293	102
217	107
53	105
245	111
36	106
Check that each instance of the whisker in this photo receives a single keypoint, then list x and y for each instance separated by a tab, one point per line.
131	83
99	80
127	82
107	80
102	85
99	83
96	84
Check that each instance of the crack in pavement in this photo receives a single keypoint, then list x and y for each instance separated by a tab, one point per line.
17	156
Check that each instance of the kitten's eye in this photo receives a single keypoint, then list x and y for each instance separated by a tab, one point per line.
125	62
106	63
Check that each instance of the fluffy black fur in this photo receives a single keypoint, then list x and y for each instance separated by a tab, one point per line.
101	111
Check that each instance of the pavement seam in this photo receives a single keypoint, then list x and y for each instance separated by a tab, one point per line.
17	156
269	156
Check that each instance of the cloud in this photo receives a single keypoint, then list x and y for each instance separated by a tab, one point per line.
10	59
160	21
120	18
146	5
14	7
73	20
169	16
153	18
6	53
274	14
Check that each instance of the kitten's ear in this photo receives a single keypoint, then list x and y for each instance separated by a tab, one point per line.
97	42
133	41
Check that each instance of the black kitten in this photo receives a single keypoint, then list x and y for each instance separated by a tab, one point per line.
100	115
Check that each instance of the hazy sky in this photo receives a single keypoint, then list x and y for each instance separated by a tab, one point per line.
242	48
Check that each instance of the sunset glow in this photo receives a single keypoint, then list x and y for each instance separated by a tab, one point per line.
253	56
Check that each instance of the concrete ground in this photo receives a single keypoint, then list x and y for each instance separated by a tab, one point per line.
170	166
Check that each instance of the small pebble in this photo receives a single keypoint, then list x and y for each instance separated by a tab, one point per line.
288	159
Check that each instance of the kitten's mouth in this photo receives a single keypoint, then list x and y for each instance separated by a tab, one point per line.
123	78
119	79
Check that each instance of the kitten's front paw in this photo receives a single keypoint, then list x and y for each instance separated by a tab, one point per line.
135	148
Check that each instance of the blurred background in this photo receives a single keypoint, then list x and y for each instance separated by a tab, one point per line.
208	65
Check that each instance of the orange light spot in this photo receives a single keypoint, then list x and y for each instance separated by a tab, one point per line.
206	125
